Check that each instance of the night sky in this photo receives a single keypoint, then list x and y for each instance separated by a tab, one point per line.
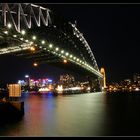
112	31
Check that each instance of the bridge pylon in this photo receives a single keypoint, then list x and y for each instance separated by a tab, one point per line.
103	83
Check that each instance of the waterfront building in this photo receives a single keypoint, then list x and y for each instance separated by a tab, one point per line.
136	78
67	80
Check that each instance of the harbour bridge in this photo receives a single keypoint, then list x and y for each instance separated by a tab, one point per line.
35	32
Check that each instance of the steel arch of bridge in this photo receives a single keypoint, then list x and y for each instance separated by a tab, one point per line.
29	13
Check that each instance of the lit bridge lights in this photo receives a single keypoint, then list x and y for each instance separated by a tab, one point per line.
34	37
6	32
62	51
67	53
48	47
23	32
14	35
9	25
57	49
43	42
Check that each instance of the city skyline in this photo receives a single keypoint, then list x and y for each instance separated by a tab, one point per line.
112	33
70	71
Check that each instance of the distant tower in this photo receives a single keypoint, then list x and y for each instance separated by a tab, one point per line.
104	77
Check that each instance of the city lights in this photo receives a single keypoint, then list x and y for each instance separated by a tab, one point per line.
73	88
31	42
137	89
63	90
44	89
32	48
59	88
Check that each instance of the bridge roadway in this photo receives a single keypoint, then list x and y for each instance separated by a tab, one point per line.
39	34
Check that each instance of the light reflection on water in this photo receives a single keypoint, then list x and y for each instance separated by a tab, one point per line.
91	114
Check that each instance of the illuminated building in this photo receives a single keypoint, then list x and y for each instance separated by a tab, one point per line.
104	77
40	82
127	81
67	80
59	89
22	82
36	84
136	78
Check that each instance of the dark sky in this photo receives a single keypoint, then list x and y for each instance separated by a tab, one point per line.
112	31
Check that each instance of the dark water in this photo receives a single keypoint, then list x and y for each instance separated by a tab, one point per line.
91	114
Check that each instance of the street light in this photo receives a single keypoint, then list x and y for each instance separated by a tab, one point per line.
26	76
65	61
35	64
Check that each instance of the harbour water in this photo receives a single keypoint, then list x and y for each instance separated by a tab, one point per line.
89	114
